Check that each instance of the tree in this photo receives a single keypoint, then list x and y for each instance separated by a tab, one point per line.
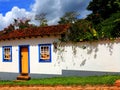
82	30
42	18
110	28
20	24
102	9
68	17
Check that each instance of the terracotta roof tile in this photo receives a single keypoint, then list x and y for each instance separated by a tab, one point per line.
36	31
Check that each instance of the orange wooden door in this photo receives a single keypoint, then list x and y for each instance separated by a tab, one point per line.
24	60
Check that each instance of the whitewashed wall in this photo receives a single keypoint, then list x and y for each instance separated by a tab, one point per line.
101	56
88	56
35	65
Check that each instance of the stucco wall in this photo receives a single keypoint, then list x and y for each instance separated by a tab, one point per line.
35	66
90	56
100	56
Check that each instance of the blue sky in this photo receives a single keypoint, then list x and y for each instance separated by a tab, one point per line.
14	9
7	5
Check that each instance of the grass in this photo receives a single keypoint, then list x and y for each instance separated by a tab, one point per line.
91	80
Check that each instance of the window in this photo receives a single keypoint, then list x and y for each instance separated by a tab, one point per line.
45	53
7	53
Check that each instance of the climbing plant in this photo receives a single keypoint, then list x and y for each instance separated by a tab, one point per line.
81	30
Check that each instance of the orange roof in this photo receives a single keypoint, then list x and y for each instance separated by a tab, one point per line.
34	31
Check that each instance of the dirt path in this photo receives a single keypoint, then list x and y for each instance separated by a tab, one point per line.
59	88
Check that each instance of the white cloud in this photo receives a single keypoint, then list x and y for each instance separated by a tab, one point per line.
13	14
2	24
54	9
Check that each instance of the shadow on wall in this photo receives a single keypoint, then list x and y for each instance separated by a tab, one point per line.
93	46
83	62
89	48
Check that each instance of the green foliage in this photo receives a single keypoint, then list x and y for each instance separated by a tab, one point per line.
44	23
24	24
102	23
82	30
69	17
91	80
42	18
21	24
102	9
95	18
105	17
110	28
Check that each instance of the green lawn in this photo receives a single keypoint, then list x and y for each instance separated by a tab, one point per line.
91	80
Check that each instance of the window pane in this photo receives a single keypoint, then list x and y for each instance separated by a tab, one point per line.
45	55
7	55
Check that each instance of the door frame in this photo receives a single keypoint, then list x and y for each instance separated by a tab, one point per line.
19	56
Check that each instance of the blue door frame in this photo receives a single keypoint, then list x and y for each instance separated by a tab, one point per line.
22	46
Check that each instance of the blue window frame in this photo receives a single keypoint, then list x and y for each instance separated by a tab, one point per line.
7	53
44	52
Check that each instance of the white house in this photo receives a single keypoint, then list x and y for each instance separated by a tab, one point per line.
38	53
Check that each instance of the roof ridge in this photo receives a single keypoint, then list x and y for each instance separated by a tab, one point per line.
35	31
